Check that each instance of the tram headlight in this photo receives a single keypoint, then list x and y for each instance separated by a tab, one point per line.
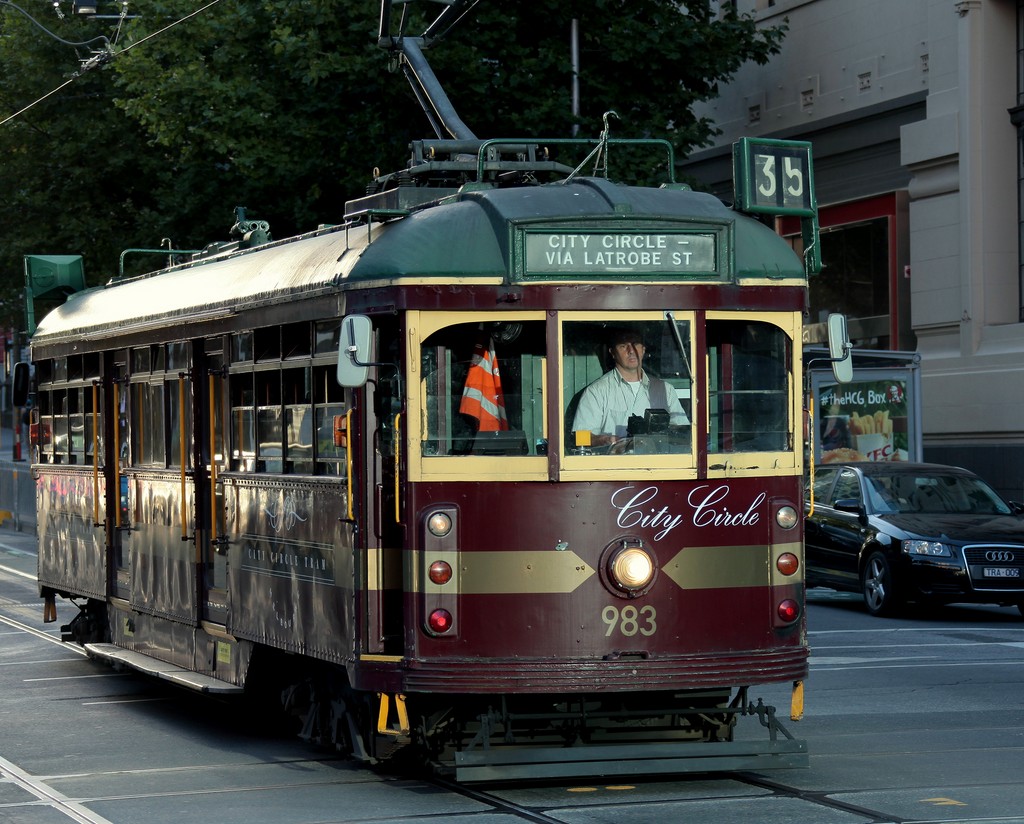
631	568
439	524
786	517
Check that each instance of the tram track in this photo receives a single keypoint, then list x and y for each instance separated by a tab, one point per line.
819	798
775	788
500	804
15	624
73	810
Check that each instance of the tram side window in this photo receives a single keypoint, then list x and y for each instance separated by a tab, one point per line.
296	385
269	436
93	424
120	378
179	417
748	387
611	407
243	422
295	341
147	423
241	347
329	407
76	425
483	389
59	425
285	401
60	429
325	337
68	426
177	356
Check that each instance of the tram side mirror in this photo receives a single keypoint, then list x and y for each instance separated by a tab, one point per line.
354	356
19	389
840	349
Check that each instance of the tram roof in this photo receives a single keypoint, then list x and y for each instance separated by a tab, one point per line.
466	235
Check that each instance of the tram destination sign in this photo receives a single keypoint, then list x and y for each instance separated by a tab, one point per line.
610	254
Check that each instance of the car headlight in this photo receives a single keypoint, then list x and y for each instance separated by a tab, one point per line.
932	548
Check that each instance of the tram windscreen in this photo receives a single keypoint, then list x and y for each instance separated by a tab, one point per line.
483	387
627	386
748	387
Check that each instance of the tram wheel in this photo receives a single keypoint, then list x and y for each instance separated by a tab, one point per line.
878	587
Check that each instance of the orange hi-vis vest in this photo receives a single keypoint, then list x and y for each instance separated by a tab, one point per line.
482	397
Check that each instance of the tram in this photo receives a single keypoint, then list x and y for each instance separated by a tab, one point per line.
361	467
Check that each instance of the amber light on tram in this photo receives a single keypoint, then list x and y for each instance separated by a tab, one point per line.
787	563
440	621
789	610
440	572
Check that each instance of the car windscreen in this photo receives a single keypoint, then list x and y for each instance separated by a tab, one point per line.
933	493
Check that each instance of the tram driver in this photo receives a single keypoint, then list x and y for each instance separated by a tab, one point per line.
623	394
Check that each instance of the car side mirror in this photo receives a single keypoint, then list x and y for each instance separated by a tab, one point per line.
854	506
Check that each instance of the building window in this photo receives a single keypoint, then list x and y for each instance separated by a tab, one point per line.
865	272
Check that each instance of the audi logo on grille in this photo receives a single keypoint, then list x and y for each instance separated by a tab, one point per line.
999	555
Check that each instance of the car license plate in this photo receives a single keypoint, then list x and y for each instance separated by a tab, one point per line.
1001	572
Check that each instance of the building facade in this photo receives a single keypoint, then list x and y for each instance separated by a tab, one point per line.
914	109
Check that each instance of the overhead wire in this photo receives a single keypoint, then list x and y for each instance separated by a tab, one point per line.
166	28
50	33
101	58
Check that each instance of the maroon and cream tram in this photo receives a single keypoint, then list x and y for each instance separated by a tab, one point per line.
353	465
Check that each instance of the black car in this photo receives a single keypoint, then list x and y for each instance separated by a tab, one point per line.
900	532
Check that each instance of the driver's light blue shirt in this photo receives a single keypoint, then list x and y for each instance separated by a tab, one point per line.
607	403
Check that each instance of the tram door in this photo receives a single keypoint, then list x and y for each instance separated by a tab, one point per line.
211	450
382	448
116	462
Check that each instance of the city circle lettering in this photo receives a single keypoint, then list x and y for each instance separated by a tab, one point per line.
580	252
709	508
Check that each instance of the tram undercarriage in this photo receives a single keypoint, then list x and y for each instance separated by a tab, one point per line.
515	737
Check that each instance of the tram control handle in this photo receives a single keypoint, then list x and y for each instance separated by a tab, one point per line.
653	422
649	434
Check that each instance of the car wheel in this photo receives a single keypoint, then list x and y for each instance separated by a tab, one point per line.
877	585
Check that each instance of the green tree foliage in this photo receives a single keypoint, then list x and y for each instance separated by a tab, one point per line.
286	107
71	165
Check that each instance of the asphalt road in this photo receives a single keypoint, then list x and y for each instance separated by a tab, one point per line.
907	720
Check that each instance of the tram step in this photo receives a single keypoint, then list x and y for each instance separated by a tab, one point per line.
161	669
